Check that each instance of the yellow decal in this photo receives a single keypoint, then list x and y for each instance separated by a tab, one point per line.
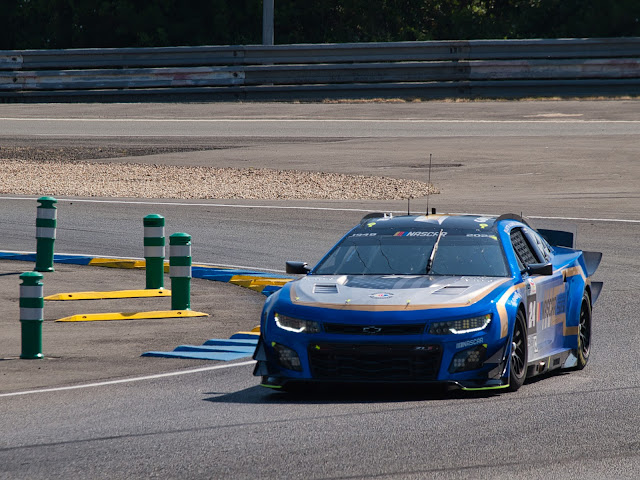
502	309
371	224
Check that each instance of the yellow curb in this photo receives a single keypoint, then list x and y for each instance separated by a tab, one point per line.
152	292
122	263
257	283
249	333
241	281
91	317
117	263
272	281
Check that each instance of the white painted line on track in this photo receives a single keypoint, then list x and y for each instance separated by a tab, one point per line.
309	120
579	219
127	380
219	205
284	207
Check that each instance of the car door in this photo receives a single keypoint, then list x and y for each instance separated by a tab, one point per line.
546	295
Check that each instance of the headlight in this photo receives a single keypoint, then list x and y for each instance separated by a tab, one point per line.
296	325
466	325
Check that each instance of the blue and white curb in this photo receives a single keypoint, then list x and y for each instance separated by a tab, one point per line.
238	346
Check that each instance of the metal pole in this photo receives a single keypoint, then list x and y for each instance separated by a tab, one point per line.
154	243
31	314
180	270
267	22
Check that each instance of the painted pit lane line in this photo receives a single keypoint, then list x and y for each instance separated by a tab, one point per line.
311	120
127	380
284	207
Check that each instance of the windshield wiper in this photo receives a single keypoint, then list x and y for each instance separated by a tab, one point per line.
433	252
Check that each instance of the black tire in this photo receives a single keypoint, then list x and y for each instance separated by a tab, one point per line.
584	332
518	355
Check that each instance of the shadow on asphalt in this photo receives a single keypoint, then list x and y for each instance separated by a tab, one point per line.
10	273
330	393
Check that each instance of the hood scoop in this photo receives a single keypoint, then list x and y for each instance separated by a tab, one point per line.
325	288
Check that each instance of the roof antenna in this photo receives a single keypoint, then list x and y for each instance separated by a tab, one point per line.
429	183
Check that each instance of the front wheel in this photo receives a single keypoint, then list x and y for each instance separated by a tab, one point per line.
518	360
584	332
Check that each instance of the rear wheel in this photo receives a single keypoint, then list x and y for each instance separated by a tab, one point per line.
518	360
584	332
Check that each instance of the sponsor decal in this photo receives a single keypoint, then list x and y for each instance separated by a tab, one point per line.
372	234
482	219
418	234
481	235
531	286
470	343
381	295
371	224
552	305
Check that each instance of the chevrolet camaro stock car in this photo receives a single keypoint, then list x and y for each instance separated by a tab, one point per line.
477	302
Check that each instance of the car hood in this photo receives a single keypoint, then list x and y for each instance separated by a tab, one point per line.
392	292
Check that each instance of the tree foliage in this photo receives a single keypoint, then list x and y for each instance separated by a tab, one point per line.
137	23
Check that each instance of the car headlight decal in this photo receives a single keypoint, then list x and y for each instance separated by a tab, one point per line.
466	325
296	325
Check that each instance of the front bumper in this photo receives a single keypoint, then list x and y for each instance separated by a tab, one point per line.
381	362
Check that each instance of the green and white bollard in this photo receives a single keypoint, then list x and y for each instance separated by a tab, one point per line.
46	222
154	243
31	314
180	270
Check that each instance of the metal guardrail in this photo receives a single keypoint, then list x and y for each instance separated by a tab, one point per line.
422	69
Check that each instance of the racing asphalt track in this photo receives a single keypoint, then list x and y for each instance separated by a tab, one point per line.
546	159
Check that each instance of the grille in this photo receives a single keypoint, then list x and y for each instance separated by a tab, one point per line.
400	363
345	329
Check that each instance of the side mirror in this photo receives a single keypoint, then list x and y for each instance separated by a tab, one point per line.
299	268
540	269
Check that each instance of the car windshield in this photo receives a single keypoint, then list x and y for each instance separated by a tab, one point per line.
458	252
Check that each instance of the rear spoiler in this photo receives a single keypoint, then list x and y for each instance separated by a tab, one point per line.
591	261
369	216
557	238
596	288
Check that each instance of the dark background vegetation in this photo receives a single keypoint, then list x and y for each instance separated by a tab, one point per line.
140	23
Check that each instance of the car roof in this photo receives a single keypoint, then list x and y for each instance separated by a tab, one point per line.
433	222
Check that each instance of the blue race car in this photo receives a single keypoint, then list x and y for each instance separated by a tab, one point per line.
478	302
